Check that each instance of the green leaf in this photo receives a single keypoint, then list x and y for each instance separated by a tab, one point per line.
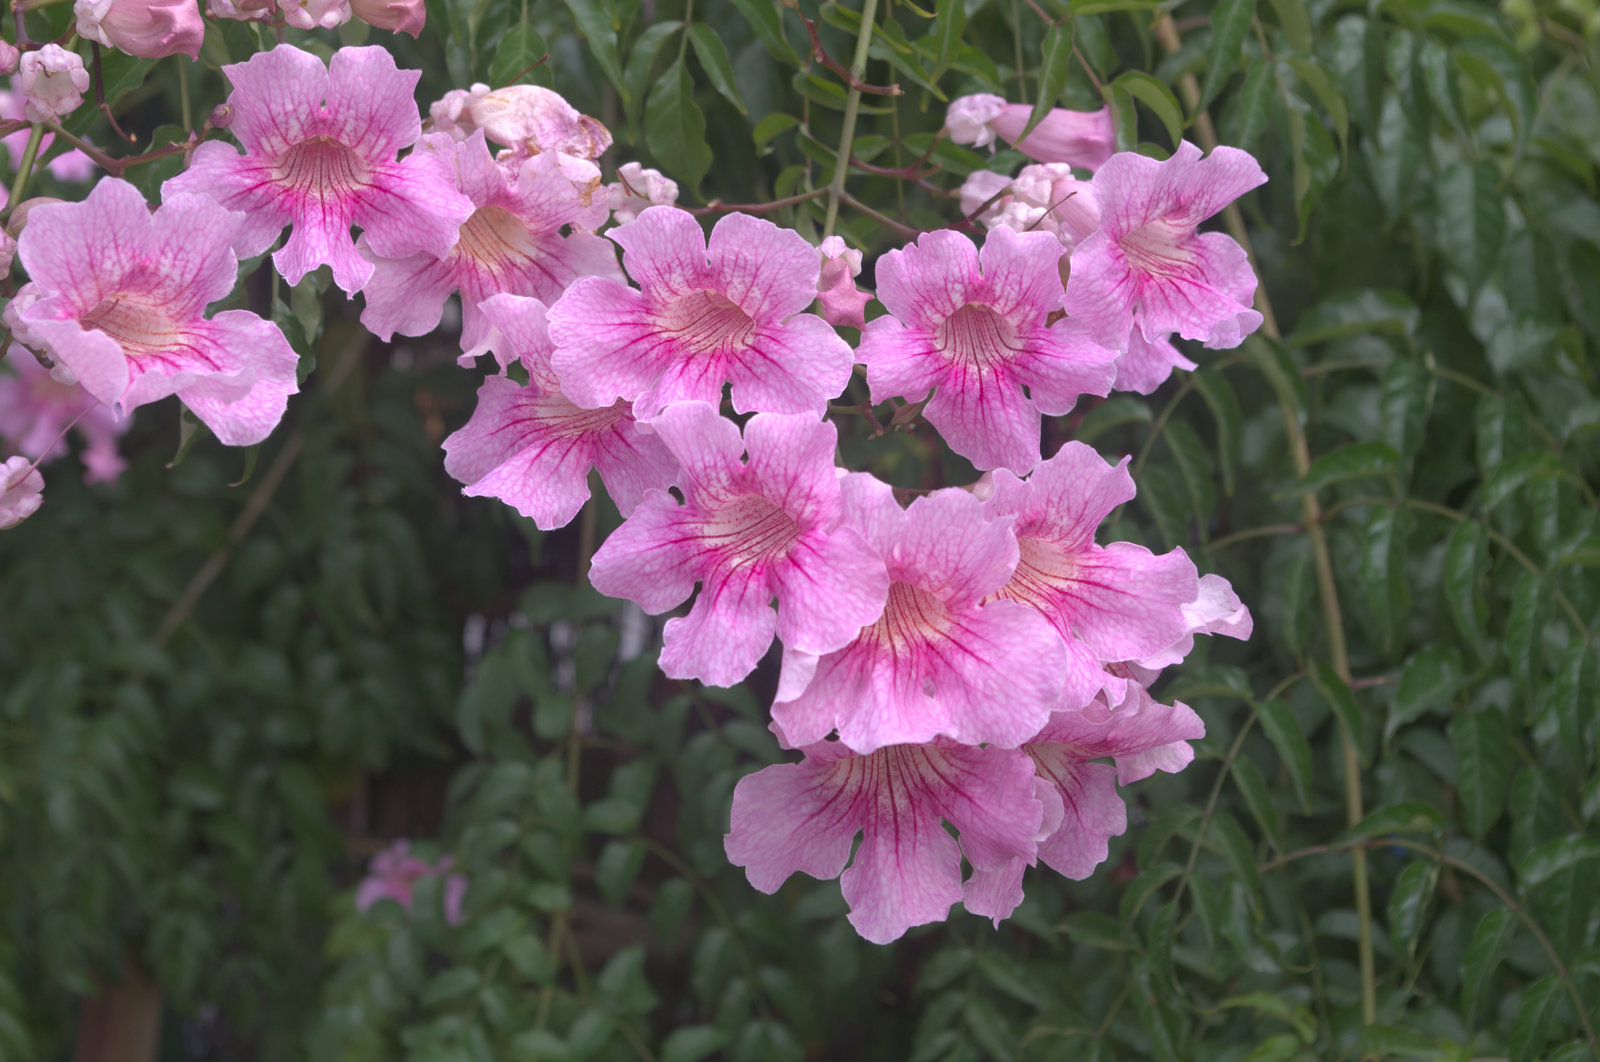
1472	220
1316	160
1341	700
1522	625
529	957
1383	570
1296	23
1431	678
1408	904
1009	976
1194	466
1054	68
537	1045
772	125
1158	97
1311	74
641	61
675	129
1253	787
1368	460
1219	396
1113	413
449	985
1230	24
763	16
1403	402
518	53
1397	818
597	24
1253	106
1294	750
1514	474
1485	760
949	25
713	58
1535	1011
690	1043
1466	560
1548	860
1490	942
1355	313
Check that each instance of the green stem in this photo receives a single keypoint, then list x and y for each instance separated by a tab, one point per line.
25	167
183	92
688	20
852	105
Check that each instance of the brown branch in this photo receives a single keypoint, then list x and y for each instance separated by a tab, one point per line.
717	206
850	80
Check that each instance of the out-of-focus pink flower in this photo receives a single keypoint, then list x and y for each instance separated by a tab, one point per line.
35	410
511	244
396	16
315	14
805	817
1109	603
21	491
1148	257
704	315
320	145
937	662
1044	197
748	533
394	872
71	165
975	326
242	10
8	251
118	295
842	302
533	449
52	81
149	29
637	188
1083	139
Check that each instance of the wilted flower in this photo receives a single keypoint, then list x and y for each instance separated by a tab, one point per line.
52	81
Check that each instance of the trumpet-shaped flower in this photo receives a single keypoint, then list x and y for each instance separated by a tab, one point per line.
748	533
937	662
805	817
1084	139
511	244
118	296
1109	603
21	491
533	449
704	315
36	410
1146	363
149	29
842	302
973	328
319	155
1149	257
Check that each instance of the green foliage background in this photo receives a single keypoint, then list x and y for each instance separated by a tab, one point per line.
1401	484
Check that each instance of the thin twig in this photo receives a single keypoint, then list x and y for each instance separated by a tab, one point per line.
851	77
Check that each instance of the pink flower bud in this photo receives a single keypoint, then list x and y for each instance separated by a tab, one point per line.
8	251
397	16
221	116
1084	139
149	29
8	58
19	215
21	491
53	82
315	14
637	188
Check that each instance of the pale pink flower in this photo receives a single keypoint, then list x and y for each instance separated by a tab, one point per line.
8	250
532	119
1109	603
394	873
36	409
511	244
150	29
936	662
704	315
315	14
1044	197
842	302
452	113
320	145
1149	257
973	328
1083	139
805	817
748	533
637	188
21	491
1146	363
1216	609
9	57
52	81
396	16
242	10
984	194
118	296
533	449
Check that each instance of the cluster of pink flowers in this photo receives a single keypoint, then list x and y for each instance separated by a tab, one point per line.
394	873
963	660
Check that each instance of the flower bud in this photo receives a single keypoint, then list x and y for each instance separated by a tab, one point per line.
52	81
315	14
397	16
149	29
221	116
637	188
21	491
19	216
9	57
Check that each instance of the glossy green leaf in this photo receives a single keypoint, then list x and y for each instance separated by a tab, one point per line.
1294	751
1253	106
1156	96
1356	312
1113	413
1550	859
949	25
765	18
1054	67
708	48
1472	219
596	24
1535	1012
674	127
1409	817
1408	904
1431	679
1465	563
1296	23
1490	942
1220	398
1485	760
1230	24
1366	460
1315	78
517	55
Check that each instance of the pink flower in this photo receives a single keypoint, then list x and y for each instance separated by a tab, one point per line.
1149	258
936	662
241	10
9	57
748	533
396	16
532	449
1216	609
842	302
1083	139
149	29
637	188
1109	603
1146	363
118	296
1041	198
707	314
394	872
52	81
805	817
36	410
533	119
315	14
511	244
973	327
322	167
21	491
